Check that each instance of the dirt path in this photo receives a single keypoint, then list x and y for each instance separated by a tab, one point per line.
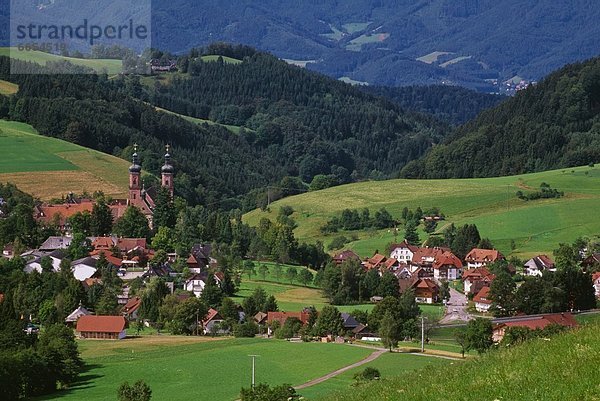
328	376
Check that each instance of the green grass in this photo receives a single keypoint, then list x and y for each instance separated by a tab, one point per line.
232	128
535	226
354	27
356	44
99	65
48	167
8	88
431	57
389	365
177	369
455	60
563	367
228	60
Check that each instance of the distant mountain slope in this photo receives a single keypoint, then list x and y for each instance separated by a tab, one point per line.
50	168
551	125
391	42
281	121
453	104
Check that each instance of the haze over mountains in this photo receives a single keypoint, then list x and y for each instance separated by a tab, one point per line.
473	43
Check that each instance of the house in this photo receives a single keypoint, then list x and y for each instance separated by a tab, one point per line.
345	256
131	308
534	322
375	262
474	279
403	252
482	257
350	323
199	259
281	317
105	244
8	251
536	266
59	214
424	258
55	257
76	314
163	65
447	266
101	327
211	322
426	291
482	300
591	261
596	283
196	284
361	331
260	318
54	243
84	268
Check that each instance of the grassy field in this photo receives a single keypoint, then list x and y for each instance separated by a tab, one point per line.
519	373
99	65
185	368
431	57
226	59
232	128
534	226
59	166
8	88
389	365
356	44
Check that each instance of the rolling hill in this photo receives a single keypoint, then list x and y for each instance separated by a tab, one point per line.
517	373
50	168
490	203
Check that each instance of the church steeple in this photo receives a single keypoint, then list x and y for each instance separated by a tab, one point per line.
167	171
134	178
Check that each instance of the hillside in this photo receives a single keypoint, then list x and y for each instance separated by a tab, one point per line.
551	125
99	65
50	168
559	368
395	42
490	203
296	122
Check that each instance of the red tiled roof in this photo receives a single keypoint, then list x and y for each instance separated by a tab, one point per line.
132	305
540	322
103	243
127	244
47	212
281	317
425	284
345	255
391	262
447	259
483	255
476	274
406	245
426	253
212	314
596	276
114	260
482	296
101	324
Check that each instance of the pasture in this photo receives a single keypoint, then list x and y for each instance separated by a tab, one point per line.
8	88
201	368
490	203
101	66
50	168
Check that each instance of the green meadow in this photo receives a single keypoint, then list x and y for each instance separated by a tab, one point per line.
563	367
49	167
490	203
186	368
98	65
228	60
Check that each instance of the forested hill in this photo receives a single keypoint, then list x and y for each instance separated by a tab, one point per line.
453	104
553	124
294	123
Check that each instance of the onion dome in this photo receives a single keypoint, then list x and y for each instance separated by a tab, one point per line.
167	168
135	167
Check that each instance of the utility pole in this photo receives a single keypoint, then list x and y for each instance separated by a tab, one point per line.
197	313
422	334
253	369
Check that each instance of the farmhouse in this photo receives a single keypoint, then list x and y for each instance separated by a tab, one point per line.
350	323
482	257
281	317
447	266
403	252
344	256
210	323
102	327
377	261
76	314
199	258
534	322
426	291
596	283
130	309
591	261
536	266
475	279
482	300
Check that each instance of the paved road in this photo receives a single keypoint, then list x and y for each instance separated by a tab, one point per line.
457	308
328	376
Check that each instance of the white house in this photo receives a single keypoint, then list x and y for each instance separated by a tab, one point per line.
596	283
211	321
482	257
195	284
447	266
482	301
36	263
403	252
538	265
84	268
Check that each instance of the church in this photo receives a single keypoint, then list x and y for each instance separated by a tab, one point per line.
138	196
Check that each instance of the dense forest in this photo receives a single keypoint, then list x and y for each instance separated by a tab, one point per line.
294	123
452	104
553	124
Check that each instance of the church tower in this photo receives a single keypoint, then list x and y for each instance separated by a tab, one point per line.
167	172
135	184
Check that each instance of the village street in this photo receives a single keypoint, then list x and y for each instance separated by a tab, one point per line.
456	310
